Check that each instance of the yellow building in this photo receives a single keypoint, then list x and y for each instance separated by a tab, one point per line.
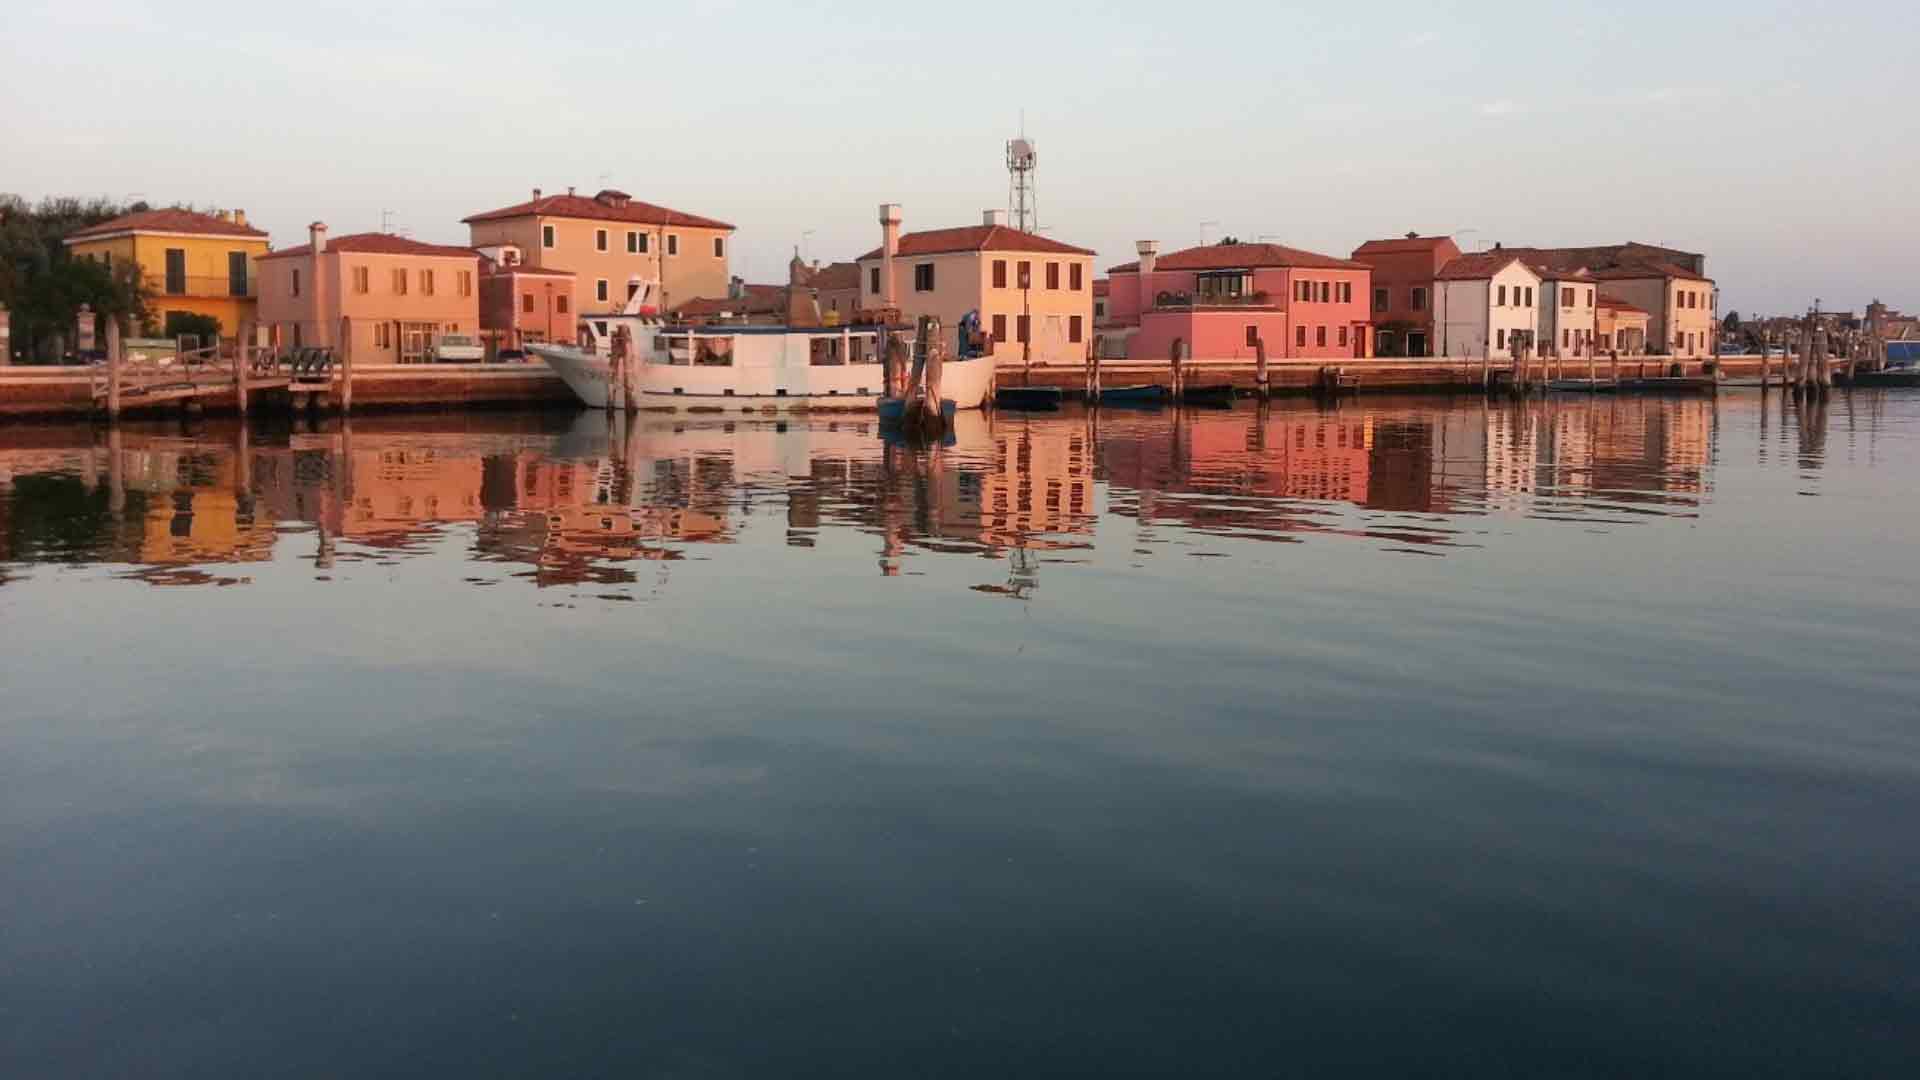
196	263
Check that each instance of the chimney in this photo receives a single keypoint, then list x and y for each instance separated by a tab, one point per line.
224	215
994	217
1149	255
569	189
240	218
536	194
1411	235
317	285
889	248
317	236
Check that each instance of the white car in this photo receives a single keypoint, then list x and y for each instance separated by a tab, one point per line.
457	349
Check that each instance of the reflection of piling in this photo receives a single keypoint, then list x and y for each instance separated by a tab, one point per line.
346	364
924	410
116	471
1261	388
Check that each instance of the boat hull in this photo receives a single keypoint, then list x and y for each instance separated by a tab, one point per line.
852	387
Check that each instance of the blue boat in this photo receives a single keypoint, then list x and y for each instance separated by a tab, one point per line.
1150	394
894	410
1214	394
1028	397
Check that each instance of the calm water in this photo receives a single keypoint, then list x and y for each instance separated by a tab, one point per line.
1415	736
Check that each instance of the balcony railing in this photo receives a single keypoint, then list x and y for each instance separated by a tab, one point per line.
207	285
1182	301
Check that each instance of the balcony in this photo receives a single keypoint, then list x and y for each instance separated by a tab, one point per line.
1204	300
199	286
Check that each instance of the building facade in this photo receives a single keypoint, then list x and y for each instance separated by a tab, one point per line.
1619	327
1567	305
1401	304
1486	305
1681	306
1225	300
1034	295
402	296
192	263
520	303
615	245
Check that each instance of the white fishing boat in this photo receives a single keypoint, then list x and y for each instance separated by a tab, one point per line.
663	366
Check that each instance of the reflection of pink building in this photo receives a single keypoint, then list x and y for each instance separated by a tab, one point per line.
1220	300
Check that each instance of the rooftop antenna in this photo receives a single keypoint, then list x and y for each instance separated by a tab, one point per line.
1022	205
386	222
804	235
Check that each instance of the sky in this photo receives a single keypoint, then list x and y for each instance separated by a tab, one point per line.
1780	139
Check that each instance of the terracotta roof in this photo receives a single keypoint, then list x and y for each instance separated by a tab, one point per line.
759	300
977	238
1480	264
171	220
1549	272
1243	256
1614	303
1649	270
378	244
1404	245
615	209
838	276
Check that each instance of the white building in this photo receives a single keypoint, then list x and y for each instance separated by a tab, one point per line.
1566	312
1485	304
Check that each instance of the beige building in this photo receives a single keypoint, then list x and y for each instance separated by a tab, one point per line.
1031	292
615	245
1567	304
1680	306
1619	327
402	295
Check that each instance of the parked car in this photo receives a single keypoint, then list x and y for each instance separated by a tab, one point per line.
457	349
513	356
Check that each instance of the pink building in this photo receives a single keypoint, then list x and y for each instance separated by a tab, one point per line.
1221	300
521	303
401	295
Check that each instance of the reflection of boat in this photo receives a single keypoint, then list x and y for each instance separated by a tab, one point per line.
893	409
760	367
1907	376
1144	394
1028	397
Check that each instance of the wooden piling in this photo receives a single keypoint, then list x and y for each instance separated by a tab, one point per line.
1261	388
241	345
116	359
346	364
1613	366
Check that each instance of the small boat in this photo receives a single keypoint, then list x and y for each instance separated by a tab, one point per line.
1028	397
1659	384
1902	376
1210	394
1144	394
893	410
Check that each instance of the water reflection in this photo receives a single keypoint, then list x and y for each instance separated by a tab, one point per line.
586	499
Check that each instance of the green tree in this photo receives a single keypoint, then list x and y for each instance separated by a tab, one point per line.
1731	324
204	327
43	285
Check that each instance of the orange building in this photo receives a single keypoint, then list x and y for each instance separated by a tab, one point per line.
402	296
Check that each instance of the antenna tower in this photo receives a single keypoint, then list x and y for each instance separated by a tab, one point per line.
1022	206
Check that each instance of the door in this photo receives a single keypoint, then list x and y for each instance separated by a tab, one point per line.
1416	343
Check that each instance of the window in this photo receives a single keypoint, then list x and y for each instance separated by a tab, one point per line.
296	282
561	303
1023	278
1502	302
1253	335
361	282
1075	277
176	271
873	281
383	335
1326	292
1343	337
1346	292
1380	299
1053	275
1320	336
1300	337
1020	328
526	302
633	242
1500	339
719	247
999	273
1589	297
466	283
923	277
1529	296
399	283
1073	329
600	290
1566	297
633	289
1419	298
236	273
426	283
1566	336
546	236
673	243
599	239
999	328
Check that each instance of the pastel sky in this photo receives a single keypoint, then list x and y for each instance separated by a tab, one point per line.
1781	139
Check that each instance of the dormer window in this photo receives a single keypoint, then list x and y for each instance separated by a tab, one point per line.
616	199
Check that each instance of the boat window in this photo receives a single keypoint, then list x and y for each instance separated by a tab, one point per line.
825	352
713	352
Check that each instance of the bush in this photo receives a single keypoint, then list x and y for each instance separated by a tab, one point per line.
203	327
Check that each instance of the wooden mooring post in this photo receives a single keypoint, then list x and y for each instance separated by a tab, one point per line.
116	359
242	346
346	364
1261	388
